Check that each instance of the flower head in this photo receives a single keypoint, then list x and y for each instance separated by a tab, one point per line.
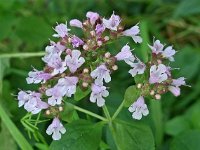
112	23
125	55
93	16
76	23
158	74
76	41
98	92
74	61
36	76
139	108
55	129
157	47
169	53
138	68
101	73
62	30
133	32
32	101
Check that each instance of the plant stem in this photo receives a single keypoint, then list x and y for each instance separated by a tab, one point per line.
106	112
16	55
90	113
118	110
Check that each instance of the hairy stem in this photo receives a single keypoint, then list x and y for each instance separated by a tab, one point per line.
89	113
118	110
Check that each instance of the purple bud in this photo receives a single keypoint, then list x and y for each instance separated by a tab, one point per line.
76	42
76	23
93	16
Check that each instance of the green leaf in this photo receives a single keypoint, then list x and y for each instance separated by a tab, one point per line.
19	138
131	94
140	78
7	142
80	94
186	8
80	135
189	140
129	136
177	125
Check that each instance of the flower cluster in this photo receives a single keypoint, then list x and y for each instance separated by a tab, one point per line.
83	62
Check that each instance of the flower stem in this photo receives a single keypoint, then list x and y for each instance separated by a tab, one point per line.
118	110
16	55
106	112
90	113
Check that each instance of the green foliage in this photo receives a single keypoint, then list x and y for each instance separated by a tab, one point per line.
131	95
80	94
133	135
80	135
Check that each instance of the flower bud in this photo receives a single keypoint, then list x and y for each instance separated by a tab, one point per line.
115	67
159	61
85	70
69	40
92	33
85	84
139	85
106	38
47	112
69	51
60	108
99	43
107	55
152	92
85	47
158	96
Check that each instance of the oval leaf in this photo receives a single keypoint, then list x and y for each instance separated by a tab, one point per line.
131	94
80	135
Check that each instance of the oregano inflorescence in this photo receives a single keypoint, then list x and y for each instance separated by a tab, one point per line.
84	63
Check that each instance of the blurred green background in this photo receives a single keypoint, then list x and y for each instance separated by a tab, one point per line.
26	26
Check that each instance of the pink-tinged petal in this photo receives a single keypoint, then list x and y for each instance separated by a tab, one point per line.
93	17
76	23
176	91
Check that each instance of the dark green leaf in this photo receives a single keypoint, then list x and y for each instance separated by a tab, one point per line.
190	140
133	136
131	95
80	135
80	94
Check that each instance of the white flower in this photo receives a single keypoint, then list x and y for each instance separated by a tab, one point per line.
112	23
157	47
125	55
169	53
158	74
98	92
74	61
62	30
139	108
134	33
32	101
56	128
56	94
138	68
101	73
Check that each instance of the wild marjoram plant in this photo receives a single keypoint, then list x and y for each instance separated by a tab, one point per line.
83	64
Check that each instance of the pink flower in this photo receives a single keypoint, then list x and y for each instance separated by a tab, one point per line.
56	129
175	86
101	73
98	92
168	53
125	55
76	42
76	23
112	23
139	108
74	61
158	74
157	47
133	32
32	101
93	16
36	76
62	30
138	68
